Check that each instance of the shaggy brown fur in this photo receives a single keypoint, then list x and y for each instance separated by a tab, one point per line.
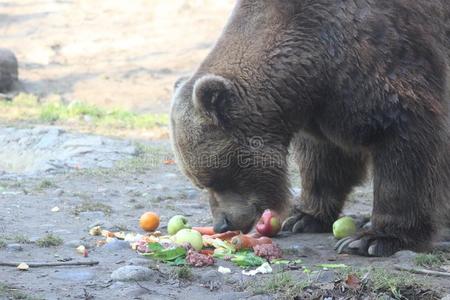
345	83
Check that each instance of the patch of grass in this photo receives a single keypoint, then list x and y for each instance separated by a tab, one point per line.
399	285
45	184
183	273
10	185
430	260
395	283
49	240
30	107
8	292
21	239
2	243
92	206
290	251
282	284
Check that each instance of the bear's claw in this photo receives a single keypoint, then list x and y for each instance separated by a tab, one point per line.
368	245
304	223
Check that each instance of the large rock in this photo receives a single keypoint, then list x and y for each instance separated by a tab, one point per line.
9	70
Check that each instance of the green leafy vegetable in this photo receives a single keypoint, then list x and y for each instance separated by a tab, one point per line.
168	254
333	266
247	259
280	261
222	253
155	247
179	261
218	243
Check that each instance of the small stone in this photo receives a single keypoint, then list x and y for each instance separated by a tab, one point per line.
55	209
234	296
14	247
139	262
211	276
116	244
59	192
326	277
23	267
132	273
385	297
406	256
9	70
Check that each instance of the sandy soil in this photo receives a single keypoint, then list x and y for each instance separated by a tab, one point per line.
111	53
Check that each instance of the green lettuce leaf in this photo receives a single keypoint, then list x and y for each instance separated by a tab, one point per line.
222	253
168	254
155	247
179	261
247	259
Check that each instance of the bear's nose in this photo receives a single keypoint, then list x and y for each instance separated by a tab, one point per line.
221	226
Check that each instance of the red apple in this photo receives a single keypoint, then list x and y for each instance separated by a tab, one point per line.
269	224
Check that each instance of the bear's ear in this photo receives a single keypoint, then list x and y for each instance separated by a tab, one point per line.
213	97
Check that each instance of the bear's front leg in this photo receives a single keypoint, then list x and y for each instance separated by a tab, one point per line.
408	188
328	175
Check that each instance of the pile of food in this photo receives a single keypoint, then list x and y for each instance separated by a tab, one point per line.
201	246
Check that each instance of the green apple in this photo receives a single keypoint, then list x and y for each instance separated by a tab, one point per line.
190	236
176	223
344	227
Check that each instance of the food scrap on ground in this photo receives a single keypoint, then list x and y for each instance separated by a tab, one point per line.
198	247
244	241
23	267
268	251
201	247
197	259
149	221
224	270
265	268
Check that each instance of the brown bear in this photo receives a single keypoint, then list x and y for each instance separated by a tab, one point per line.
347	84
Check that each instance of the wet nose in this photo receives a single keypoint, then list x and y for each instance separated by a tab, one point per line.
221	226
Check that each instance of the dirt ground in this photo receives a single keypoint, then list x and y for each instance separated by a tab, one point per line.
128	54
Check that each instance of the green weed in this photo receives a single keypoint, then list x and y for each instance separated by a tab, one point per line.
49	240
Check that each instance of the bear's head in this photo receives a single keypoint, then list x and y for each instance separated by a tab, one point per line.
232	121
242	169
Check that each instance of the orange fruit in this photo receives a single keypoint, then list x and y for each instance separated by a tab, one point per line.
149	221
